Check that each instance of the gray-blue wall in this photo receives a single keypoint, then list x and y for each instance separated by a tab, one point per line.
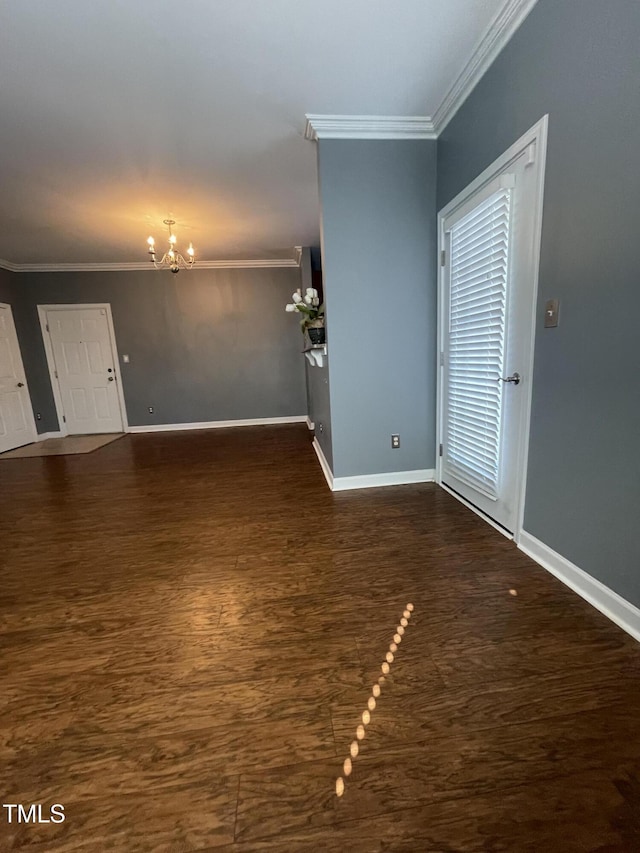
6	286
379	273
320	407
205	345
579	61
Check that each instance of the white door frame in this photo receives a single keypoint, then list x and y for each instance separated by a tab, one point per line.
57	396
538	135
30	417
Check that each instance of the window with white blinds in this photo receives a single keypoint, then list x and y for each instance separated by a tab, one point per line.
479	259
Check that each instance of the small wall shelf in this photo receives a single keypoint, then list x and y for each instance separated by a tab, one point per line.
316	354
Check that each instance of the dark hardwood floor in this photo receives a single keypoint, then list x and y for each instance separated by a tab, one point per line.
191	625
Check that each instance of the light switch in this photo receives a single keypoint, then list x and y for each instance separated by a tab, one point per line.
125	359
551	313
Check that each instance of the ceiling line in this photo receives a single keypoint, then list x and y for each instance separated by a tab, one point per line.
500	30
145	267
367	127
502	27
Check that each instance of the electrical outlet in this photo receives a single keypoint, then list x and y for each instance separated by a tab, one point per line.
125	359
395	441
38	416
150	410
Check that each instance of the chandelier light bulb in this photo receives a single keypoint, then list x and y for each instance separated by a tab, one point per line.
190	250
151	241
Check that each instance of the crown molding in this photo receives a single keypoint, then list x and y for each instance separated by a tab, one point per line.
7	265
496	36
368	127
142	266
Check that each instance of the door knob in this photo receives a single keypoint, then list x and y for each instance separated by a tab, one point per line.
20	384
515	379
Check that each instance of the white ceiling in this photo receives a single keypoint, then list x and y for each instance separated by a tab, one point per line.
115	114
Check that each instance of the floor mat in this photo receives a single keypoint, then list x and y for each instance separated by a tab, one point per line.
70	444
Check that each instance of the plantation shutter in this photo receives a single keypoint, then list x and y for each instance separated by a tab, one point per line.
479	258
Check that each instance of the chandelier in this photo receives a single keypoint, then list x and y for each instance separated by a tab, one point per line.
171	258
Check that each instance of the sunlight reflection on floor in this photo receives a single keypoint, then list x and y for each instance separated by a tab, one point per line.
376	690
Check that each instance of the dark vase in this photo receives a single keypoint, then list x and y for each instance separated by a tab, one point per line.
316	336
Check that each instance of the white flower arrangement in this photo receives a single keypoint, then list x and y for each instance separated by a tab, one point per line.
309	306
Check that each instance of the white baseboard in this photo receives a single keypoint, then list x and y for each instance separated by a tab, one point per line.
608	602
299	419
310	424
392	478
370	481
43	436
326	468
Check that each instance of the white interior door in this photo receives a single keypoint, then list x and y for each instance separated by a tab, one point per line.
488	303
85	367
17	426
